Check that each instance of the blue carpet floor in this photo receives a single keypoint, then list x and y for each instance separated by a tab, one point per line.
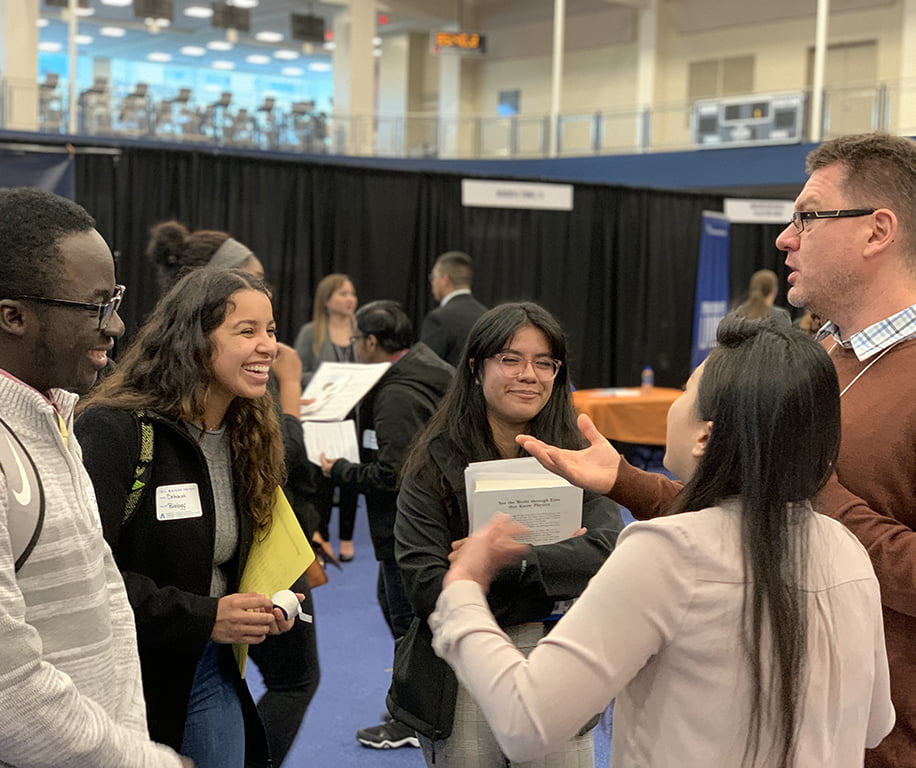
355	650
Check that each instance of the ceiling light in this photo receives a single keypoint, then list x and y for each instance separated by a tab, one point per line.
157	23
376	41
193	50
198	12
219	45
257	58
292	71
117	3
286	54
43	23
319	66
330	45
222	65
112	31
377	52
269	37
46	47
84	39
244	3
160	57
85	11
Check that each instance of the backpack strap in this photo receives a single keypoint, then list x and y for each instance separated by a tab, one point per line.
26	495
143	468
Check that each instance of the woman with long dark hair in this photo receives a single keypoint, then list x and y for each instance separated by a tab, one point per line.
743	629
512	379
194	380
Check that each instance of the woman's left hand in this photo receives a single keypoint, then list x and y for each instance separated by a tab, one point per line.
485	552
281	624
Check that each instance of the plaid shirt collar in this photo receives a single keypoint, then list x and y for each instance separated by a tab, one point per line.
870	341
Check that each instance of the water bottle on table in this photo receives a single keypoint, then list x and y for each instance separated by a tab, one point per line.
647	380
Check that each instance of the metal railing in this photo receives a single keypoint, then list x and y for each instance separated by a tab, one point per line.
619	130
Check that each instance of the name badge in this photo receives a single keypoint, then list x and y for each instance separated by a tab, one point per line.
178	502
370	441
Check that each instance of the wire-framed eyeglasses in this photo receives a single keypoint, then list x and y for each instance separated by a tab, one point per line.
800	217
544	368
104	311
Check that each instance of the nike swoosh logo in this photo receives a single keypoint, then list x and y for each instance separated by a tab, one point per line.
24	495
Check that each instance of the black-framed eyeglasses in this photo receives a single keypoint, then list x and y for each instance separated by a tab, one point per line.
354	339
800	217
511	364
104	311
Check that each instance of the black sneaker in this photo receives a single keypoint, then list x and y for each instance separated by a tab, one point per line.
388	735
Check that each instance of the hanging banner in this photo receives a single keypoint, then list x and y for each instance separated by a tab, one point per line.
712	284
51	171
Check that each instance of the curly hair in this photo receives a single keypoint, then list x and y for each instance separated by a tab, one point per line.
168	369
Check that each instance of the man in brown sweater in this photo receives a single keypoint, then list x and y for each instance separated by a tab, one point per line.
851	249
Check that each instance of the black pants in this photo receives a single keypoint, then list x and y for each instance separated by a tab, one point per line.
289	666
346	509
392	597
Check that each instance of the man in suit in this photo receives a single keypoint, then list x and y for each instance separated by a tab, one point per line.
446	327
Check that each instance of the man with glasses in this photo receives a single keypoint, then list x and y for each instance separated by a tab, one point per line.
389	417
69	669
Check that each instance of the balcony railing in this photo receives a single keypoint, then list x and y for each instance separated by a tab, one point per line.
301	129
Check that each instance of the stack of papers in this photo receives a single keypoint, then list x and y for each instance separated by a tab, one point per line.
549	505
336	388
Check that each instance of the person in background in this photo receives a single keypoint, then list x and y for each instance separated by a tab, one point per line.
196	375
69	669
390	416
512	378
762	292
327	338
288	662
446	327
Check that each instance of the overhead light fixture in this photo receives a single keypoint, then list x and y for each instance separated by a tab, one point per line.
160	57
117	3
85	11
198	12
257	58
330	45
292	71
376	41
48	47
84	39
219	64
42	23
192	50
112	31
377	52
286	54
219	45
319	66
269	37
245	3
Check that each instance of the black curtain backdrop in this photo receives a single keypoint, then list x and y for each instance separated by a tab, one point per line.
619	270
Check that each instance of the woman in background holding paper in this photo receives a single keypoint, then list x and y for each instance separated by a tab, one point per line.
512	378
182	529
743	629
329	338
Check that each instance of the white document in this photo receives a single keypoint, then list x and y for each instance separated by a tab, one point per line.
338	387
549	505
335	439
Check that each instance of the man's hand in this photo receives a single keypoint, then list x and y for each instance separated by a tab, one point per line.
480	556
593	468
326	465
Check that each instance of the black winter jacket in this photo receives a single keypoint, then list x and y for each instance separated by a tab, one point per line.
166	565
395	410
423	687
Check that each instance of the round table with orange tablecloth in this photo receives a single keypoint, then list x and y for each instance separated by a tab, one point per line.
627	414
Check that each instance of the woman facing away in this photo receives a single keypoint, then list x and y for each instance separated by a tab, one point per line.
328	338
196	374
512	379
761	297
743	629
